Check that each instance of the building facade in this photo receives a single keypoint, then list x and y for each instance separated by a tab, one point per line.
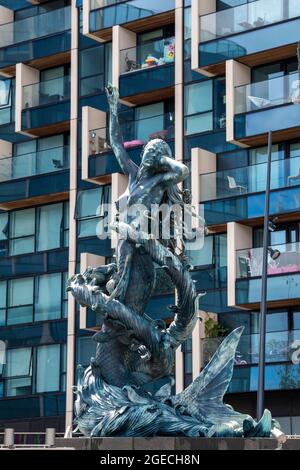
212	78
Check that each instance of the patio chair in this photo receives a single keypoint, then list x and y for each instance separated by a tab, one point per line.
234	186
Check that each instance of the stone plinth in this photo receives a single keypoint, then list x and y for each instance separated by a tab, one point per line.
174	443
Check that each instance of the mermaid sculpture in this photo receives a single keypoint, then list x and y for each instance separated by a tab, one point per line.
133	351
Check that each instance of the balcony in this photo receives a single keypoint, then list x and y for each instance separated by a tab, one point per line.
267	105
35	38
278	348
248	30
147	69
238	194
280	373
40	176
283	275
46	107
101	15
135	134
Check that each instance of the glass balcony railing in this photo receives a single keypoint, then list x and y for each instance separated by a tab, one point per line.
135	133
282	259
261	95
95	4
37	163
47	92
279	348
35	27
249	179
247	17
151	54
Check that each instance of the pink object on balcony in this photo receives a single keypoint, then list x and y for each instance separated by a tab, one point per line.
133	143
292	268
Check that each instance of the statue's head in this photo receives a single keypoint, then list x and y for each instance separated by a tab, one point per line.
152	155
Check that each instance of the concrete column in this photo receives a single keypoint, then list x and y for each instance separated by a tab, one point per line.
9	438
92	142
122	39
71	330
50	437
238	237
5	160
237	74
93	261
202	161
199	8
25	75
179	86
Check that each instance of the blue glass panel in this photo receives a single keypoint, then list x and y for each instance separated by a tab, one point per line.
33	335
94	246
277	377
106	163
54	404
260	122
20	408
158	307
35	263
35	49
126	12
147	80
250	42
36	186
45	115
242	208
214	300
213	142
279	288
208	279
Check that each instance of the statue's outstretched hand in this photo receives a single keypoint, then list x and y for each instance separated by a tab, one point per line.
112	94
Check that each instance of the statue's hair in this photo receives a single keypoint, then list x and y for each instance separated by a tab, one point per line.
172	195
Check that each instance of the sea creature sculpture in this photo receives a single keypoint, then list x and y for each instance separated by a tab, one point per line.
134	352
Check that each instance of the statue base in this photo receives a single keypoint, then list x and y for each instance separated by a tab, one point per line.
175	443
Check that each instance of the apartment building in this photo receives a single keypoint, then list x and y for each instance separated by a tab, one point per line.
210	77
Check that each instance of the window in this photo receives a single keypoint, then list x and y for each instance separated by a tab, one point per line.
90	211
149	119
20	301
48	368
18	371
41	156
22	229
198	107
50	219
86	350
29	299
214	252
34	370
95	69
2	303
5	101
3	233
65	295
48	297
35	229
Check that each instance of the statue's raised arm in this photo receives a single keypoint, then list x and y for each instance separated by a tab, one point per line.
116	139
